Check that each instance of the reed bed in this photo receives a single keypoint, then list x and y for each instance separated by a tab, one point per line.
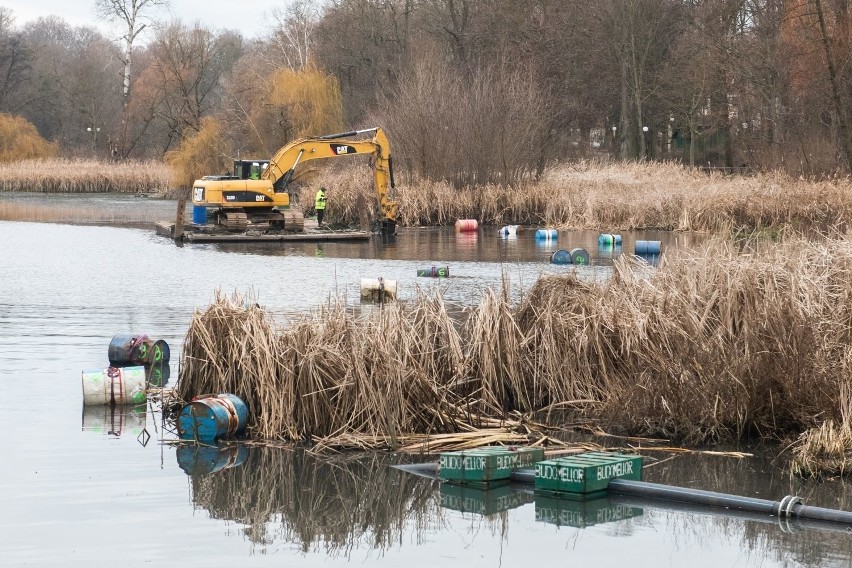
611	196
717	344
86	176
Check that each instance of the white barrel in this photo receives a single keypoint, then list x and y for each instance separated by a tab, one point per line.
114	386
377	290
509	230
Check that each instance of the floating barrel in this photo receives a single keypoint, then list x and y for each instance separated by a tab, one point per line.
199	214
377	290
434	272
579	256
609	240
203	460
114	386
467	225
546	234
560	256
648	247
509	230
137	350
210	417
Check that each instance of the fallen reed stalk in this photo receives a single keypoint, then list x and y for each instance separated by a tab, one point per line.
718	344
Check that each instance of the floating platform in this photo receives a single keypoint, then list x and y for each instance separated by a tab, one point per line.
193	235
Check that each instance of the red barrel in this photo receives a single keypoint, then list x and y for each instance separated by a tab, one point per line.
467	225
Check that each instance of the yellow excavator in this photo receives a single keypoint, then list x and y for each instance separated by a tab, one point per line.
256	196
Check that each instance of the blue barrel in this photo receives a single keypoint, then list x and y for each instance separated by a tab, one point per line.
199	214
648	247
579	256
560	256
204	460
137	350
434	272
546	234
609	240
210	417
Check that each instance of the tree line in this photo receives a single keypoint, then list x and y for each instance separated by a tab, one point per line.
470	91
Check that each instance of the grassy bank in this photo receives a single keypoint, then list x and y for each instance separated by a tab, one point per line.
714	345
85	176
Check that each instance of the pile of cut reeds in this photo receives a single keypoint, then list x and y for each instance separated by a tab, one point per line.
85	176
716	344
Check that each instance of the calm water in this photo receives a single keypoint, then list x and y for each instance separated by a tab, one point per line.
79	489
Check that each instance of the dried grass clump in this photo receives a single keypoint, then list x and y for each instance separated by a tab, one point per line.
716	344
85	176
826	449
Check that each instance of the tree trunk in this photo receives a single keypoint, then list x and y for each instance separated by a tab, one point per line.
839	104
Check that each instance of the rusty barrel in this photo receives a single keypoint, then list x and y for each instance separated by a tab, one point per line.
137	350
210	417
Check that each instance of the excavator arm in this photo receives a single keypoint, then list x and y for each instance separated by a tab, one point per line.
283	165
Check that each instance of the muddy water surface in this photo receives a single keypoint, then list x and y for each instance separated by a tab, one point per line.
79	489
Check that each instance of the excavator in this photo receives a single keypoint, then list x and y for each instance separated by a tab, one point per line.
256	196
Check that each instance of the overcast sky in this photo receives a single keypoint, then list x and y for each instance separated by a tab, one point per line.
246	16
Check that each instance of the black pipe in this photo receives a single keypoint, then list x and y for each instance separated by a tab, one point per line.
786	524
788	508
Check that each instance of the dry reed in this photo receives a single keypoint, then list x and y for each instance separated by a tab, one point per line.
619	196
715	344
85	176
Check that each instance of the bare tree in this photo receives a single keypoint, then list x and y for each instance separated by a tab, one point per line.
132	14
293	33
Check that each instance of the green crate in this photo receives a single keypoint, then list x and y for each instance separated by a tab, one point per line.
486	465
482	501
586	473
581	513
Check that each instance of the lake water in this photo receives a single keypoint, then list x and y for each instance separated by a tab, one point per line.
78	488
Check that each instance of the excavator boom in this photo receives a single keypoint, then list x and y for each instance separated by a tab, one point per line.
282	166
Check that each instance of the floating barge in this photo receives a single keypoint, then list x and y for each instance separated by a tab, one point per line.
192	234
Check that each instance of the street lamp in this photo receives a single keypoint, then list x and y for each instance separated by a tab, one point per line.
94	132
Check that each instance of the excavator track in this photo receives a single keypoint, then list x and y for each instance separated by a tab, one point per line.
233	221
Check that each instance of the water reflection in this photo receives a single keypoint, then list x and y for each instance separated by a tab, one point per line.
339	505
483	501
290	496
204	460
582	513
114	421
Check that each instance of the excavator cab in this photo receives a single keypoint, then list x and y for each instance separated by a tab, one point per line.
249	169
